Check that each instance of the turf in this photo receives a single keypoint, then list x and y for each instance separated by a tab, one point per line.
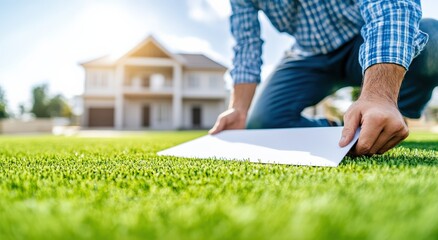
118	188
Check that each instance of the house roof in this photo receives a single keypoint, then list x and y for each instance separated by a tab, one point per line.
200	61
189	61
102	61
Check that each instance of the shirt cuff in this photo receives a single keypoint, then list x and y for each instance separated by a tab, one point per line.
242	76
391	34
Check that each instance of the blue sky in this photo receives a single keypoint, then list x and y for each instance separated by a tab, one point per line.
43	40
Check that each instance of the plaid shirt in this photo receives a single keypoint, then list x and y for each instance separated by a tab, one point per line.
390	29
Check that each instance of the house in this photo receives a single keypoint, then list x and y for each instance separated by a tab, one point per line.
152	88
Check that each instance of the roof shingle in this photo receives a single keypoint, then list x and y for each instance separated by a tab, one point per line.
200	61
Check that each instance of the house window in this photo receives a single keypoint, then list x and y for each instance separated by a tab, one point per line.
214	81
194	81
103	79
91	81
98	79
163	113
146	81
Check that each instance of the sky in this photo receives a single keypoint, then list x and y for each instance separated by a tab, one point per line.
43	41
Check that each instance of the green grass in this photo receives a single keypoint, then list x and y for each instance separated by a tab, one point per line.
117	188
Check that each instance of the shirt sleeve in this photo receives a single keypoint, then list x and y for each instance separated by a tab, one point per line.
245	28
391	32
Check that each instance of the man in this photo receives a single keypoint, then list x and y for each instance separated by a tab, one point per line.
373	43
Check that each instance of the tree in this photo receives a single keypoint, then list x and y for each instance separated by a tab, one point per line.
58	107
44	106
3	104
40	101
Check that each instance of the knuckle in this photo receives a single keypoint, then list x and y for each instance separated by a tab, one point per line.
378	117
401	125
221	120
349	113
347	131
401	130
404	133
364	148
370	152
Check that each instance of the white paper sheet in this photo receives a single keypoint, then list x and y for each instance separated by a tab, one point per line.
294	146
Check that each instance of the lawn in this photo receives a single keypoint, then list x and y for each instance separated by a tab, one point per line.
118	188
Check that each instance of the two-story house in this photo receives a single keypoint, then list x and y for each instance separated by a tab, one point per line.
152	88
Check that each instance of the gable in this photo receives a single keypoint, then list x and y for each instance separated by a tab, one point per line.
150	49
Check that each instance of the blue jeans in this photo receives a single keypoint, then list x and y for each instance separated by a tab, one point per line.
298	83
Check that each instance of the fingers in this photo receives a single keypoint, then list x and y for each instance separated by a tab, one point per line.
230	119
380	136
381	141
394	141
218	126
390	144
389	139
382	126
352	121
370	132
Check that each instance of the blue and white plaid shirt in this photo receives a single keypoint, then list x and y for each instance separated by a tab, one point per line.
390	29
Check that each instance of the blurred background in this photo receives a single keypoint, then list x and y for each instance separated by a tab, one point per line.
131	65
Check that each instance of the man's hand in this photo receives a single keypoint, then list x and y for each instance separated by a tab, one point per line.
376	112
235	116
382	126
230	119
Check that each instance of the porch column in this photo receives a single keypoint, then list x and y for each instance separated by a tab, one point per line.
118	106
177	96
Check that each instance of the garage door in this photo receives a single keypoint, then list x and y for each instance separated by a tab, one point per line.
101	117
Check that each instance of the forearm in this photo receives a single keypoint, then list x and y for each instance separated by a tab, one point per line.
376	112
383	81
242	95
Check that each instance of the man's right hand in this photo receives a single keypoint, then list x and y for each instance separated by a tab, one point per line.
235	116
230	119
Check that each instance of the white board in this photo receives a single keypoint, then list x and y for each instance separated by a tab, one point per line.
293	146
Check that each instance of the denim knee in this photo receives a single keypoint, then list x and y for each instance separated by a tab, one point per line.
428	58
260	120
